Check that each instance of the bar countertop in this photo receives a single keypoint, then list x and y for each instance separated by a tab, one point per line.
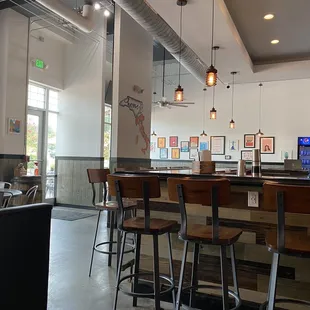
234	179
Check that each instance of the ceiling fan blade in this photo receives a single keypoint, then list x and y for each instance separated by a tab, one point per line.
178	105
183	102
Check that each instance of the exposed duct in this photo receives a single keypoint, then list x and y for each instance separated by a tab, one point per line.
141	12
84	22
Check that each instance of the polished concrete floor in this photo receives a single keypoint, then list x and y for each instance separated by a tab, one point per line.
70	288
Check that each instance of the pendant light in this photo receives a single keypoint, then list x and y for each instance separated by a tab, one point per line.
211	75
259	133
213	111
232	124
203	134
179	91
154	94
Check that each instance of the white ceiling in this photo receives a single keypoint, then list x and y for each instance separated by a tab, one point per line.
233	55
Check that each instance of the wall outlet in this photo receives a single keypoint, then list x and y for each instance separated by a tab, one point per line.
253	199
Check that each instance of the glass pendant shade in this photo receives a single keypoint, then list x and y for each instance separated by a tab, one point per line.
203	134
154	134
259	133
179	94
211	77
232	124
213	113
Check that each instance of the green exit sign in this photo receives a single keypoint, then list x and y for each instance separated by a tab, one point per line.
39	64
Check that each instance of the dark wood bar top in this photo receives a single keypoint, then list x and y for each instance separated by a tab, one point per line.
247	180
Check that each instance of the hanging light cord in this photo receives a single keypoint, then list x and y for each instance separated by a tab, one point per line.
181	30
213	96
232	96
164	71
212	33
260	105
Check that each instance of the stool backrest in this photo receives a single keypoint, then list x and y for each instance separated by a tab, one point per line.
208	192
98	176
283	198
134	186
31	194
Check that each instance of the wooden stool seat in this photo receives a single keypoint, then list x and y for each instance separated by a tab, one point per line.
113	205
157	226
296	242
203	234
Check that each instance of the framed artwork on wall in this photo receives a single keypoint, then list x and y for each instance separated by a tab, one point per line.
163	154
194	142
234	145
193	153
173	141
267	145
175	153
161	142
247	155
217	145
14	126
249	141
203	146
184	146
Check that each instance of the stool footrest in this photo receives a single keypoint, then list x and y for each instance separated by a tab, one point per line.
214	287
145	295
285	300
96	248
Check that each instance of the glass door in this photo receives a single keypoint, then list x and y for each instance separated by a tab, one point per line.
35	139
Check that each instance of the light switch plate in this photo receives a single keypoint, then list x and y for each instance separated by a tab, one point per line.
253	199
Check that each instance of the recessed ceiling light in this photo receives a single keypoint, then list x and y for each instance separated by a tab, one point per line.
269	16
275	41
106	13
97	6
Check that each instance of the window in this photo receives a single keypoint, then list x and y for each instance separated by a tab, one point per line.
107	135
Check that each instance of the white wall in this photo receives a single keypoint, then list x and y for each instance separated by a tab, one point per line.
285	113
51	51
13	80
81	107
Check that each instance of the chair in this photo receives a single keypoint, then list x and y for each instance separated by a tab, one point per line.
6	200
6	185
215	192
31	194
282	198
99	177
1	198
143	187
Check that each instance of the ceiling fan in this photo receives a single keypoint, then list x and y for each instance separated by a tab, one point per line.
163	102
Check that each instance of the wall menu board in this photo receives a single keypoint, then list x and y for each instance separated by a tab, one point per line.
217	145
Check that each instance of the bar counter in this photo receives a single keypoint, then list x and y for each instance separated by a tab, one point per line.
253	258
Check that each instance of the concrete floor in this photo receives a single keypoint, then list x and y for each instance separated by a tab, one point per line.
70	288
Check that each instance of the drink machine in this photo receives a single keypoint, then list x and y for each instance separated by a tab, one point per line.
304	152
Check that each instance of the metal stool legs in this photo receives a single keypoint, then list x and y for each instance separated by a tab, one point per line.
156	273
111	235
136	268
94	245
171	266
224	276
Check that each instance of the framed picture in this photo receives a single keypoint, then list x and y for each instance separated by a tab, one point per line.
193	153
234	145
249	141
175	153
184	146
247	155
161	142
14	126
267	145
203	146
153	147
173	141
194	142
163	154
217	145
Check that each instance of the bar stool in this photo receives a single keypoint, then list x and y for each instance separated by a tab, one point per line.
143	187
99	176
282	198
215	192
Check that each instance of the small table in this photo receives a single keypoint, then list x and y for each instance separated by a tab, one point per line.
7	191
